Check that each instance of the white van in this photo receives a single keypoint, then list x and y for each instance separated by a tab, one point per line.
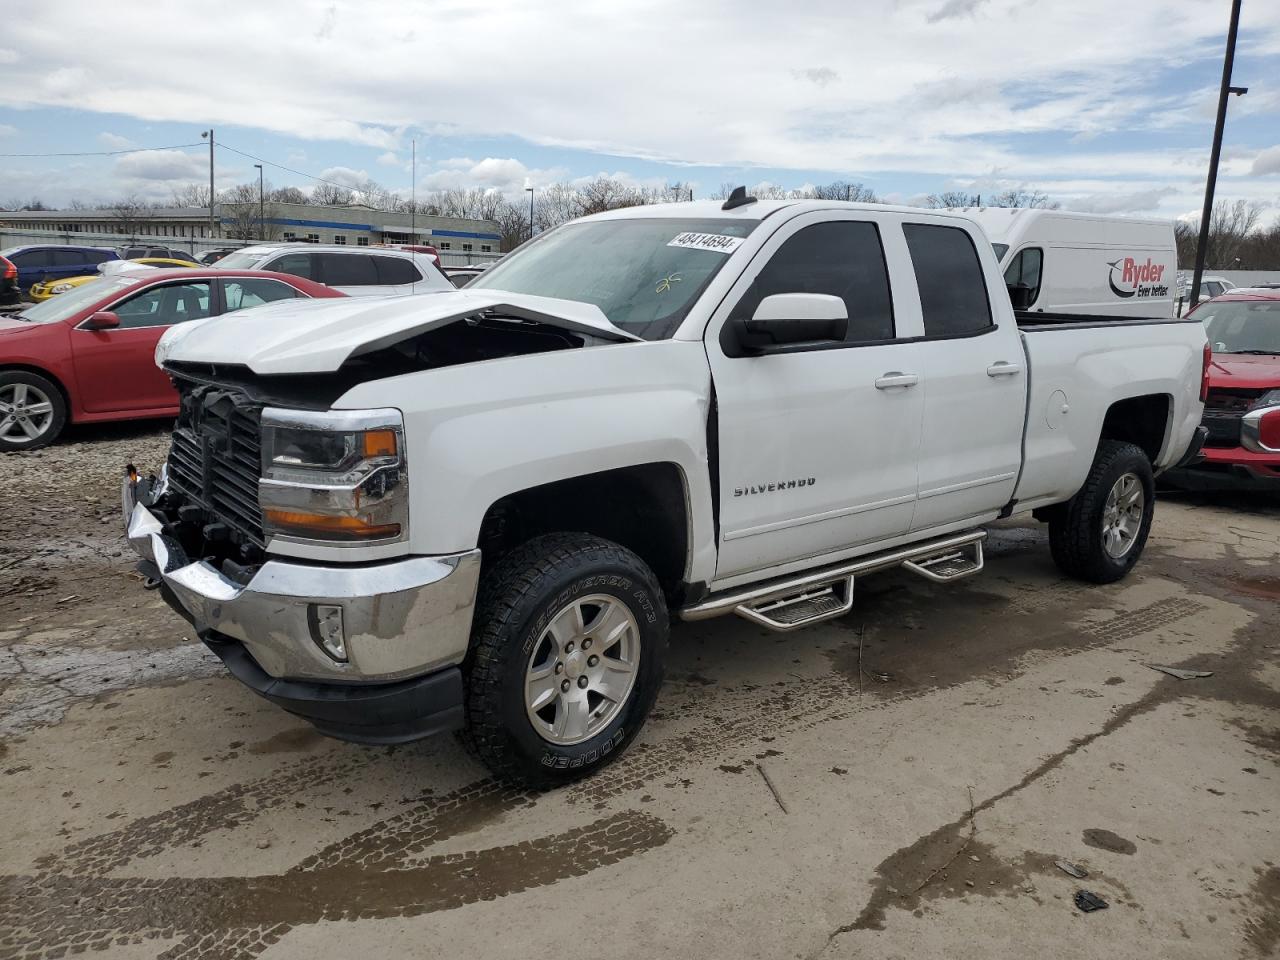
1060	262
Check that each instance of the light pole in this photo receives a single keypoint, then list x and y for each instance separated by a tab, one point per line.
262	221
530	189
209	133
1202	249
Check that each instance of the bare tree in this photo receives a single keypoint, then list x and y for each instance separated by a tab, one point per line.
331	195
952	198
129	214
287	195
191	195
1022	197
1235	241
244	218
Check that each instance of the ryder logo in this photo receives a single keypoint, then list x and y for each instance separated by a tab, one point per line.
1141	280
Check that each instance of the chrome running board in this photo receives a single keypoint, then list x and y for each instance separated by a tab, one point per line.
788	603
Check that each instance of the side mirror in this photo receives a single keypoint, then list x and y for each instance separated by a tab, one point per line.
784	319
1020	295
102	320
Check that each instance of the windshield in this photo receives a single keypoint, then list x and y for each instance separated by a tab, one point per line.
64	305
644	274
245	259
1242	326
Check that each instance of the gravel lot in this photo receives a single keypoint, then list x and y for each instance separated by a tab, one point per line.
895	784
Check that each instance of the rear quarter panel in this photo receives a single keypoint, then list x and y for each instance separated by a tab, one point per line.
1086	369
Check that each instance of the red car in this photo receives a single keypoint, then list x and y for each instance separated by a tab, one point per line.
1242	408
88	355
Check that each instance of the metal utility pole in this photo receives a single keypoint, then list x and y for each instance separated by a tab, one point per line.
212	222
530	189
413	195
262	207
1202	248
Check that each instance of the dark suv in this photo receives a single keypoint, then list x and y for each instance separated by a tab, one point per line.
139	252
37	263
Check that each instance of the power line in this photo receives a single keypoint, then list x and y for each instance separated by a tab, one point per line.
281	166
99	153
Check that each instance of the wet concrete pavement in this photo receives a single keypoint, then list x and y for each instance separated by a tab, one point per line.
790	798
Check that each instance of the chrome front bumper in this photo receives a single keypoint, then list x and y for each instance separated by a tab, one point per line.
402	618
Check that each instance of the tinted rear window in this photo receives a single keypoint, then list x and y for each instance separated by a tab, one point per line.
348	270
32	258
953	295
395	270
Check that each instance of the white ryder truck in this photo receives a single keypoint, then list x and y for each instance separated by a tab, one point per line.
480	508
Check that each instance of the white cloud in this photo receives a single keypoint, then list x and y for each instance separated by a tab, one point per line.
8	56
1137	201
966	95
113	141
1267	162
389	159
345	176
954	8
7	131
167	165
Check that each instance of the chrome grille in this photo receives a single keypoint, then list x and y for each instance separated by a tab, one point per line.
215	461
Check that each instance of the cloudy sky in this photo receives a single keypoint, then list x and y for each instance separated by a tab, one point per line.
1105	106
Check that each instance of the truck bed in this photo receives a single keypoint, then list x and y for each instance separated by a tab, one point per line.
1039	320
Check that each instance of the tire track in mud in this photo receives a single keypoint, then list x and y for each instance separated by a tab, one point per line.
244	914
384	870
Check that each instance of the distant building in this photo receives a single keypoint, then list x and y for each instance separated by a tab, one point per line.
355	225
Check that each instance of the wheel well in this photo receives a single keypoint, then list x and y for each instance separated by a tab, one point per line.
641	507
1142	421
39	372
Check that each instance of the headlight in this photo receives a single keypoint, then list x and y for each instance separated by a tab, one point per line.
338	477
61	287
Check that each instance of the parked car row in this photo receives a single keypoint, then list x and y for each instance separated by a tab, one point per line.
88	355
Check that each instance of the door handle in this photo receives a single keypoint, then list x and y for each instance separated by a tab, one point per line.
896	379
1002	368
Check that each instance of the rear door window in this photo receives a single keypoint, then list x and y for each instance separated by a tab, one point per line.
70	258
255	291
395	270
842	258
953	294
295	264
348	270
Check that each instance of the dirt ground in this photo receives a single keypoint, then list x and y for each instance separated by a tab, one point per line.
898	783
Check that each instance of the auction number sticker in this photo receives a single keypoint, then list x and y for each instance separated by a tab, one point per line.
706	241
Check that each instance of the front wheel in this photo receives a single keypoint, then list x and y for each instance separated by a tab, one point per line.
1099	535
566	658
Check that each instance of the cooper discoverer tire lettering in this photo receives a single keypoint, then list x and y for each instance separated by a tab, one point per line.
566	658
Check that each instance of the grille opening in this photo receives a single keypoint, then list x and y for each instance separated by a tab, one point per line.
215	462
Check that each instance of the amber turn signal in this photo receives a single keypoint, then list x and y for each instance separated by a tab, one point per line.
329	527
379	443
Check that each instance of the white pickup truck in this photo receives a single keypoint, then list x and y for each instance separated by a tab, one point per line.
481	508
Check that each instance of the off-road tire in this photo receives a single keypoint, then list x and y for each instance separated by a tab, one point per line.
1075	530
516	599
59	414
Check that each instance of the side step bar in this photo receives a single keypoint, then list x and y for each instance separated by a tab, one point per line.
789	603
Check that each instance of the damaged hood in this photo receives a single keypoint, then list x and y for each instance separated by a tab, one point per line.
318	336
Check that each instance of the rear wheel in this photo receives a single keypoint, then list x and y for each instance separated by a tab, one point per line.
1101	532
566	658
32	411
